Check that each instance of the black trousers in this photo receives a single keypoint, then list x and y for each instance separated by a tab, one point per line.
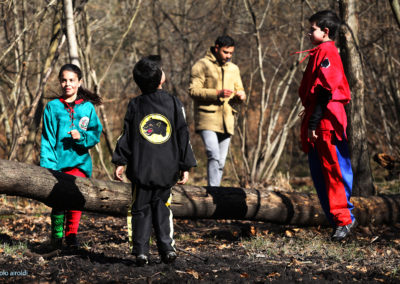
150	207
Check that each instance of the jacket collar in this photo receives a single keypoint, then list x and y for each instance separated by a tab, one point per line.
76	102
210	56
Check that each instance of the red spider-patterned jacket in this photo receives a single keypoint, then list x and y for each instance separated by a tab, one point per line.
324	68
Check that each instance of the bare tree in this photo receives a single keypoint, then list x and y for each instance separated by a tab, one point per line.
362	183
70	31
277	112
396	10
23	120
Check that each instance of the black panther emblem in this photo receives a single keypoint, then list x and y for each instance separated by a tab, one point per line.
155	126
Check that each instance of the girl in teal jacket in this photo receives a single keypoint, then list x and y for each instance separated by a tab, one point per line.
70	128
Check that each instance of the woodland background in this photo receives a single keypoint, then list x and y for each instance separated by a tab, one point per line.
107	37
113	35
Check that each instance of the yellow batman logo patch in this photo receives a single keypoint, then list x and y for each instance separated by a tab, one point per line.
155	128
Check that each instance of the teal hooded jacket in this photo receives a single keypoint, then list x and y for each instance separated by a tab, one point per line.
58	150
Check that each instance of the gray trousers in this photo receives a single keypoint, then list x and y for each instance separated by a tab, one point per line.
217	145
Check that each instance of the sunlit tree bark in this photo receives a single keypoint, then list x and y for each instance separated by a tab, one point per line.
352	61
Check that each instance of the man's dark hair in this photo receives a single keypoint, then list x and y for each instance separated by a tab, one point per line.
147	73
224	40
326	19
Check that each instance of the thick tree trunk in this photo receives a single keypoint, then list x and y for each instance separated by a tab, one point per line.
362	184
113	198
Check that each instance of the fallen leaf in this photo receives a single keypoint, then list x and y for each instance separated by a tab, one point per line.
224	246
289	234
244	275
253	230
298	270
195	274
273	274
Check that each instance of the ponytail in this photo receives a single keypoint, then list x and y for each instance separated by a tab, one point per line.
89	96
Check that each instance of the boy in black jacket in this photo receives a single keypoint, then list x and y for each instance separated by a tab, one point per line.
155	147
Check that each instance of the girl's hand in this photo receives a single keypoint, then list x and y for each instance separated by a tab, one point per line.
119	170
75	134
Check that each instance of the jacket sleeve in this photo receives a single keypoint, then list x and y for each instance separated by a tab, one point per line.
238	81
48	154
323	98
197	82
123	149
187	159
91	136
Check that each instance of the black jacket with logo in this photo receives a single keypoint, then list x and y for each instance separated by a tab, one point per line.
155	143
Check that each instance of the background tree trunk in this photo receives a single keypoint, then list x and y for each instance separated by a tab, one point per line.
352	61
71	34
394	4
113	198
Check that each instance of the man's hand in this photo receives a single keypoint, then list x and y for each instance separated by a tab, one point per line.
184	177
119	170
241	95
224	93
75	134
312	135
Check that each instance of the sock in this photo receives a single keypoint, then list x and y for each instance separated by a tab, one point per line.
57	225
72	222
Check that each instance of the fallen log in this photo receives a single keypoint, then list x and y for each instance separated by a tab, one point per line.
113	198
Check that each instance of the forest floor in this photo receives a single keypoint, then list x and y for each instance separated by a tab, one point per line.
220	251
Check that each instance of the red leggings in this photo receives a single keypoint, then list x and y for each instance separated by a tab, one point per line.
72	217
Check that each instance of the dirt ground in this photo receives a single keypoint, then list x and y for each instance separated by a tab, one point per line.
208	251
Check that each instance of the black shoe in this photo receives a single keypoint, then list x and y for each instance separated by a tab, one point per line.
168	257
56	243
72	241
142	260
342	232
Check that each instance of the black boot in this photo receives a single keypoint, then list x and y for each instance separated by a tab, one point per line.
56	243
168	257
142	260
342	232
72	241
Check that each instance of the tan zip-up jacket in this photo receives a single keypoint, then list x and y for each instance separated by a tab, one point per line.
211	112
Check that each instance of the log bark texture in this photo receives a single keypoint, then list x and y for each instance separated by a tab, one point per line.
113	198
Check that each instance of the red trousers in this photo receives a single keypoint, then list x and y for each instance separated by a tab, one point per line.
331	172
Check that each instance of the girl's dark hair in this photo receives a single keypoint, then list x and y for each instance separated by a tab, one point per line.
147	73
83	93
326	19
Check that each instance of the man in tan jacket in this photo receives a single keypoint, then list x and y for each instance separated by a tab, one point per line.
216	88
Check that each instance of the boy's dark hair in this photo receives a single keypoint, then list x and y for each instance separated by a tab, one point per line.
147	73
83	93
224	40
326	19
